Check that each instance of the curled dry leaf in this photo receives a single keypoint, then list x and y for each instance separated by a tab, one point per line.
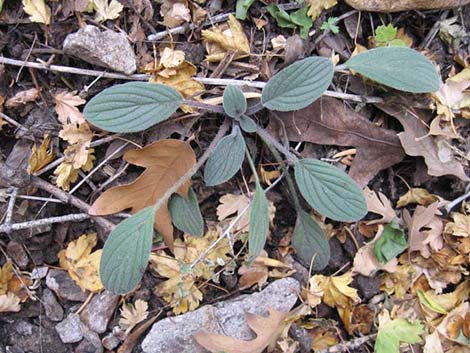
165	162
417	195
13	282
9	303
379	204
132	314
81	264
42	156
22	97
267	330
460	227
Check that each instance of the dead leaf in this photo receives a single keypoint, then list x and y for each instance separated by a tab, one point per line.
432	343
317	6
73	133
107	11
417	195
416	142
175	12
219	41
132	314
42	156
22	97
267	330
37	10
328	121
77	156
379	204
9	303
81	264
66	107
337	291
460	227
166	161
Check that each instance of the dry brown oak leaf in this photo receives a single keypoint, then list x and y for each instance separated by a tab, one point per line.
404	5
329	122
165	162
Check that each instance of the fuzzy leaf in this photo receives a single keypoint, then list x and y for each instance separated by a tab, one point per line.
234	101
226	159
298	85
391	243
329	190
186	214
132	107
242	8
259	222
309	241
397	67
126	252
247	124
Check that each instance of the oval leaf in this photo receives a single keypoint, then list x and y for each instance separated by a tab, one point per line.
186	215
132	107
259	223
397	67
298	85
234	101
310	243
247	124
126	252
329	190
226	159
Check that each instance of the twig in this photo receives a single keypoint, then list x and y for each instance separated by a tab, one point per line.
291	158
204	80
11	207
74	217
348	346
458	200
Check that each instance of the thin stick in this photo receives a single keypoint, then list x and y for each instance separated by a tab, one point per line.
347	346
11	207
266	136
74	217
458	200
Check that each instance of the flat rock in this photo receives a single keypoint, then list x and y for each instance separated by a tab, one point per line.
98	312
62	285
174	334
404	5
51	306
107	49
70	329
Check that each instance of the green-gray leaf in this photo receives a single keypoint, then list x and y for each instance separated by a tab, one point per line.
234	101
391	243
186	215
226	159
397	67
242	8
132	107
298	85
126	252
329	190
259	223
247	124
309	242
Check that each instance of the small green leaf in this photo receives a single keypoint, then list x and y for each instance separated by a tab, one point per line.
226	159
247	124
391	243
126	252
397	67
259	223
186	215
329	190
234	101
296	18
309	242
298	85
281	16
242	8
392	333
385	34
430	303
132	107
1	5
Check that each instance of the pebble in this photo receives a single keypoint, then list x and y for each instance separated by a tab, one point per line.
107	49
62	285
70	329
99	311
51	306
174	334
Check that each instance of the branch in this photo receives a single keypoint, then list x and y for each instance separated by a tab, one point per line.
269	139
75	217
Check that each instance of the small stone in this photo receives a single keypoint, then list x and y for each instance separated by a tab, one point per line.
91	342
110	342
51	306
98	312
367	286
108	49
65	288
39	272
70	330
18	253
174	334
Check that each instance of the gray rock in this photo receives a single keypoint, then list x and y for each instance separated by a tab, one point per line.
91	342
108	49
70	329
110	341
51	306
62	285
98	312
174	334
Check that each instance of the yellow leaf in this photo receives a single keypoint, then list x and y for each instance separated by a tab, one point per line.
171	58
219	41
131	315
81	264
317	6
314	292
107	11
9	303
42	156
37	10
73	133
6	275
460	227
417	195
337	290
66	107
65	175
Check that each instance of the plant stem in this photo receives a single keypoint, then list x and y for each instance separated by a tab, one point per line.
271	141
252	165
